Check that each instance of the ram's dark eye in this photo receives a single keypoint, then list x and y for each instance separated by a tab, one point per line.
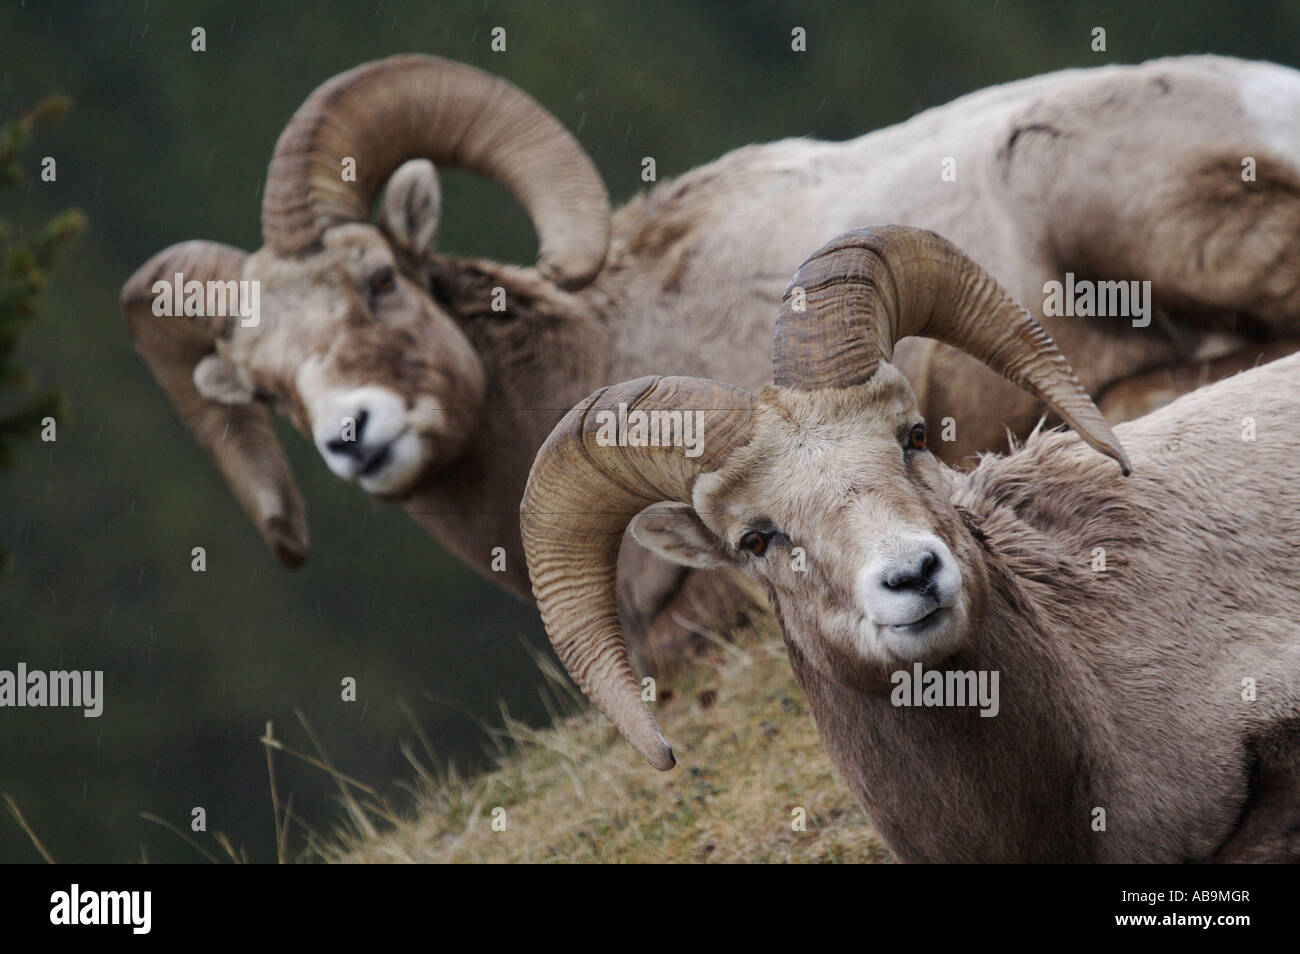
916	437
382	281
263	396
756	541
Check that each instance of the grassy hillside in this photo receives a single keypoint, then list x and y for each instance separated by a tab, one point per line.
747	752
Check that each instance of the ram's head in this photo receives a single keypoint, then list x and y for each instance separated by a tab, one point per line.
333	321
820	487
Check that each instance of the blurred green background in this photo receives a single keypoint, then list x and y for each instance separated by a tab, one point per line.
164	144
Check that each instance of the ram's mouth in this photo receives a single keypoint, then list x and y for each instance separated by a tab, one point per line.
378	462
922	624
393	470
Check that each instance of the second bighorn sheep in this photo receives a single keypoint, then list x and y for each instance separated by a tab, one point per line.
392	358
1149	707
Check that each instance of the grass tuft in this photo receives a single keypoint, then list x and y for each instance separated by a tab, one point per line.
748	755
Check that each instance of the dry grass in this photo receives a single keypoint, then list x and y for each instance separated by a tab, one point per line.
748	755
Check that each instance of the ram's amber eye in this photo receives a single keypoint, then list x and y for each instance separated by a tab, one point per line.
381	280
916	437
755	542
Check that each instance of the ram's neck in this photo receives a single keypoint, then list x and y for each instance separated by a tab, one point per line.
945	783
545	352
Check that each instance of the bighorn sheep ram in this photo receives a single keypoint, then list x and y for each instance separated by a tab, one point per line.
392	359
1150	712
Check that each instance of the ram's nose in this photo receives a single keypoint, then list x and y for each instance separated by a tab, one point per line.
913	572
351	444
908	582
356	431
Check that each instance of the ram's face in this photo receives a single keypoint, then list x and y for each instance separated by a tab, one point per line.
838	505
356	353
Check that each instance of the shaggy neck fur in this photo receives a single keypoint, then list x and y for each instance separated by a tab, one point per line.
541	356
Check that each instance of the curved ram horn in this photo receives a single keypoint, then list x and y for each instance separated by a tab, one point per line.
865	290
406	107
239	437
582	493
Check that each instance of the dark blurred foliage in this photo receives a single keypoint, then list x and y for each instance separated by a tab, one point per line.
167	144
22	279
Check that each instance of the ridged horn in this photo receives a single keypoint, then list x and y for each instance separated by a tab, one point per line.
383	113
238	438
863	291
582	492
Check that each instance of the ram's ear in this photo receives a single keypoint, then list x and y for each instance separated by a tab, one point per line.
675	532
411	206
216	379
